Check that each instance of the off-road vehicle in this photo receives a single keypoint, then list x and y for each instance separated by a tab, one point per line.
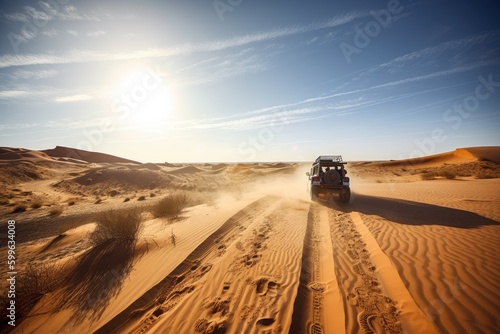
328	178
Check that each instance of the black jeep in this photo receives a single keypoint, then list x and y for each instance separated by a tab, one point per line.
328	177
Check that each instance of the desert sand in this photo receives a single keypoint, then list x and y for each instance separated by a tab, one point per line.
415	250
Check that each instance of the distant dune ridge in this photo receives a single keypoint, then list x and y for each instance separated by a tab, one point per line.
88	156
460	155
415	251
8	153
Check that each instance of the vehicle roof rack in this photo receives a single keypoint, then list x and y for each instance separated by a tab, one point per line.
329	158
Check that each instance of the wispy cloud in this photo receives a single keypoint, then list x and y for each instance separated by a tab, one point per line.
41	74
461	45
96	33
49	32
46	11
73	98
8	94
78	56
448	58
40	93
17	126
275	118
223	67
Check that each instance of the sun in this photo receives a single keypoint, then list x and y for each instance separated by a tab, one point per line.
143	98
155	109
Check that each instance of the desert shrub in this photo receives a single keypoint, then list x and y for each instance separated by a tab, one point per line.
448	174
35	280
37	203
119	225
113	193
173	237
171	205
56	210
141	198
99	201
428	176
485	175
126	199
19	208
152	195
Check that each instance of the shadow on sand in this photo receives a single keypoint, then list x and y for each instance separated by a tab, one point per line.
97	277
413	213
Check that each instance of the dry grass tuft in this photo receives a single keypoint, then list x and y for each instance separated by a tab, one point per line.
450	175
33	283
56	210
171	205
485	175
428	176
173	238
117	225
37	203
19	208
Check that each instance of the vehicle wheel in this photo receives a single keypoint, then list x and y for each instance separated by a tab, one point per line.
314	194
345	195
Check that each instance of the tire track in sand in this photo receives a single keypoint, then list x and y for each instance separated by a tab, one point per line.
381	301
319	299
374	310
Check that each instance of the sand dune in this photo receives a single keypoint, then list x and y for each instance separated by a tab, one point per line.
460	155
88	156
186	170
7	153
408	254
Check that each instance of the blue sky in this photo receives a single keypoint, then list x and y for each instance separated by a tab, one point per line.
241	80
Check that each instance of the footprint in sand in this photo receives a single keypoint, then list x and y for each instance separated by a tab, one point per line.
158	312
264	285
316	329
264	322
205	326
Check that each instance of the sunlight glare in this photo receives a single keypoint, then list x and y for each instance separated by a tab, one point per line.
145	98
